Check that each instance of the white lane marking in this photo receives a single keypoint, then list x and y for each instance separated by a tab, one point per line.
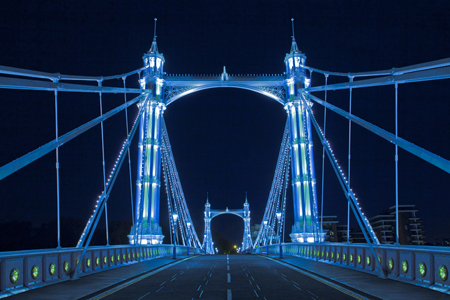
144	295
210	275
162	283
228	278
174	275
330	284
199	287
294	282
297	287
229	296
206	282
257	286
246	274
283	274
160	289
312	294
204	278
201	294
250	282
284	278
252	278
181	272
228	268
172	279
256	293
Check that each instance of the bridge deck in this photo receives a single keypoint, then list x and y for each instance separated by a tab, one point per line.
370	285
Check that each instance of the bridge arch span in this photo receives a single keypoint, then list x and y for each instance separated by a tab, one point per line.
173	93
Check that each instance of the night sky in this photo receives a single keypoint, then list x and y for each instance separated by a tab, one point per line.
225	141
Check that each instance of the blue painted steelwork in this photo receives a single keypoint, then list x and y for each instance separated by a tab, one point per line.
146	229
390	258
65	261
306	225
209	214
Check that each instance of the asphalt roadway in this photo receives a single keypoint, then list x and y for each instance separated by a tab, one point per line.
229	277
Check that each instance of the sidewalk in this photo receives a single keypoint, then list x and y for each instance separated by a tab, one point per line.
367	283
89	284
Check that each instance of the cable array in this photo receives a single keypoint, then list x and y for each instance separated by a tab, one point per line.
175	196
277	196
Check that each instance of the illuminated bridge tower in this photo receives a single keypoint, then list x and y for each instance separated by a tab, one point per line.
146	229
306	226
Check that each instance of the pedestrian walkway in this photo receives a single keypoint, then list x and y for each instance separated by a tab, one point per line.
368	283
89	285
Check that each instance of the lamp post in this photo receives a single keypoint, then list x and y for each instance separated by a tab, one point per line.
265	237
279	232
189	236
175	218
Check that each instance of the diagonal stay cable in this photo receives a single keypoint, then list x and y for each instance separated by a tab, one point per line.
26	159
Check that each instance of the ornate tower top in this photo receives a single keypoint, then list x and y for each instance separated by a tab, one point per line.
295	68
154	69
295	59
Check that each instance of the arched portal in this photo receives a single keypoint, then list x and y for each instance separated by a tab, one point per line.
210	214
161	89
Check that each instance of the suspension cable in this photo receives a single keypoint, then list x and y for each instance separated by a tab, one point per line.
128	151
103	161
396	164
323	156
349	158
58	216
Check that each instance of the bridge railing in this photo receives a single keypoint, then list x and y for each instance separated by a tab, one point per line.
419	265
29	269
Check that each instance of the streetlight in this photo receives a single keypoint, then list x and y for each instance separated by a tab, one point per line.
265	237
189	236
175	218
279	231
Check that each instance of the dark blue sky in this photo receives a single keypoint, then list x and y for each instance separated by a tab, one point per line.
225	141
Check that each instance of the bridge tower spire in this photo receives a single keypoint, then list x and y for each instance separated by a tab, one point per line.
208	244
146	229
247	238
306	224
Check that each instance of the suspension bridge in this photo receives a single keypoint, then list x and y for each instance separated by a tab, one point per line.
412	266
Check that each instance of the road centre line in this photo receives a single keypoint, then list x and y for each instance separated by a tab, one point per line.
229	295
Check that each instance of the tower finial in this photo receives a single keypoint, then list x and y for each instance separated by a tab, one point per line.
207	197
154	47
294	47
154	33
293	35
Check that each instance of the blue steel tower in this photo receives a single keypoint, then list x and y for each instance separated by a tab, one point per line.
306	226
146	229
